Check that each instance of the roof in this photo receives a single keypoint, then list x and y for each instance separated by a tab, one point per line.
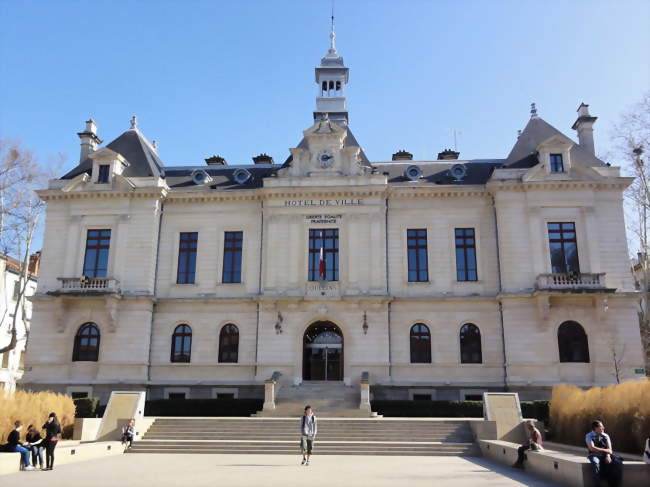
436	172
134	147
180	177
537	131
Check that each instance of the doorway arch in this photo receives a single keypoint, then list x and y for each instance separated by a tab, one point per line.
322	357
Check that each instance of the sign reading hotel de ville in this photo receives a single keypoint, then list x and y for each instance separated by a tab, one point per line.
327	202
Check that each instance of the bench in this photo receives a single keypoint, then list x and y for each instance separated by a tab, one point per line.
564	467
66	452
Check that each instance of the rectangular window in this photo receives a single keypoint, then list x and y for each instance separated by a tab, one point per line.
226	395
416	243
564	247
557	164
422	397
96	257
187	258
16	290
232	249
79	395
324	243
465	255
176	395
103	173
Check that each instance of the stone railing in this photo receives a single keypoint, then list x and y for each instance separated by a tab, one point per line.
571	280
89	284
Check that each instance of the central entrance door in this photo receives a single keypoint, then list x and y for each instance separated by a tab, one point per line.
323	352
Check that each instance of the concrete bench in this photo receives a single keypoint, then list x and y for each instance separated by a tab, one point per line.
564	467
66	452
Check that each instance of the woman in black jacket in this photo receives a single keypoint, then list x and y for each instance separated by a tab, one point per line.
52	431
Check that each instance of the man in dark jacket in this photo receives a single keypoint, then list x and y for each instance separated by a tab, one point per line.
14	445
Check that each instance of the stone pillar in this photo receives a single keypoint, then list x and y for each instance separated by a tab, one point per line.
269	395
364	404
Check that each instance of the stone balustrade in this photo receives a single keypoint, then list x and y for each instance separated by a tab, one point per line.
568	281
89	284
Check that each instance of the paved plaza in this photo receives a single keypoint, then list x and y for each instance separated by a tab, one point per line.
161	470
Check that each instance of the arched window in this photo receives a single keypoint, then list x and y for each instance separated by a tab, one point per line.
470	344
229	344
420	344
572	342
86	343
181	344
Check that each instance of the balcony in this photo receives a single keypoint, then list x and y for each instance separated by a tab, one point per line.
571	282
89	285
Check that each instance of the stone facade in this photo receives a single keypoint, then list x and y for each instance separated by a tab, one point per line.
517	301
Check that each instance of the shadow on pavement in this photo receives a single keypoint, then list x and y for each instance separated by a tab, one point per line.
526	478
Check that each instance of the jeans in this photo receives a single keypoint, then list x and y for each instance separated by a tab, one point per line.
521	451
24	453
49	453
37	455
613	471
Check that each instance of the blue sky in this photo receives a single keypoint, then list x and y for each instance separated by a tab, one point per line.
236	78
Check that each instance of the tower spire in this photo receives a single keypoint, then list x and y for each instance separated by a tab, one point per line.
332	50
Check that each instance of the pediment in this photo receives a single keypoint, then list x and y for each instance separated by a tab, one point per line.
578	172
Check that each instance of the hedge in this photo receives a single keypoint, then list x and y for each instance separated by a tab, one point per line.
451	409
203	407
86	407
428	409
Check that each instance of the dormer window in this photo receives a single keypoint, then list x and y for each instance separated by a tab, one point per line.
557	163
103	173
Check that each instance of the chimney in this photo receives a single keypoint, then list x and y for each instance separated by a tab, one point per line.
584	125
89	140
216	161
34	263
402	155
263	159
448	155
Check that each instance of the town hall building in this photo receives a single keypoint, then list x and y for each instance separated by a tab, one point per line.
440	279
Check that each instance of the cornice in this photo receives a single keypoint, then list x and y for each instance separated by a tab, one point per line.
136	193
465	191
523	186
323	192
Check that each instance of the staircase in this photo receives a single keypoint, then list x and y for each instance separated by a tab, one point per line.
366	436
328	399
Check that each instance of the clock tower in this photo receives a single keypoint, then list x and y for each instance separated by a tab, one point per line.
331	77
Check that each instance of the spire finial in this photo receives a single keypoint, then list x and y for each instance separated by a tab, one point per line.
533	110
134	122
332	49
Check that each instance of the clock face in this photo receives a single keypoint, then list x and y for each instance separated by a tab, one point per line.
325	159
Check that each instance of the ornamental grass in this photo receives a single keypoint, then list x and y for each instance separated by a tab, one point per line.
623	408
34	408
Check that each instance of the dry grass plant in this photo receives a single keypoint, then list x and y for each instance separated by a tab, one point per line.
34	408
623	408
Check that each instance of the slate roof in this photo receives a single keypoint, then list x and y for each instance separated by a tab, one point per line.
143	160
537	131
180	177
437	172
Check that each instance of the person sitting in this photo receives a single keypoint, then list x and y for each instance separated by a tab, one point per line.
128	432
14	445
601	456
35	445
534	443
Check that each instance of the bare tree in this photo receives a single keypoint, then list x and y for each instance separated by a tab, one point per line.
20	216
631	136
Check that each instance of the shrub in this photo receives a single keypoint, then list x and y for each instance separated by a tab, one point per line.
86	407
428	409
536	410
202	407
623	408
34	408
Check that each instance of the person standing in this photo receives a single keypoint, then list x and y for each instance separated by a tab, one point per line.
601	456
35	445
533	443
308	431
14	445
52	432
